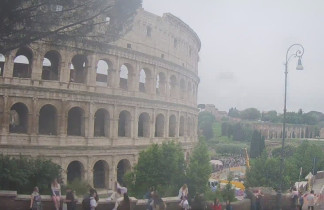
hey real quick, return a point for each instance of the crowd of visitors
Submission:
(229, 161)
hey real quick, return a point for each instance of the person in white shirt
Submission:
(93, 202)
(311, 200)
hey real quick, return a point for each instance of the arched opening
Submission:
(101, 123)
(160, 84)
(172, 126)
(75, 122)
(181, 128)
(144, 125)
(182, 88)
(23, 63)
(123, 81)
(78, 69)
(101, 174)
(172, 85)
(123, 167)
(124, 124)
(18, 118)
(75, 171)
(2, 62)
(159, 126)
(51, 66)
(102, 73)
(142, 81)
(47, 120)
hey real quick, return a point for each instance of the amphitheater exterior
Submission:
(91, 108)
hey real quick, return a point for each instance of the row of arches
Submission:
(143, 80)
(48, 123)
(101, 172)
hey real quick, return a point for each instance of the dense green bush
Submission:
(22, 174)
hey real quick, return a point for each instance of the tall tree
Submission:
(250, 114)
(257, 144)
(25, 21)
(199, 169)
(205, 124)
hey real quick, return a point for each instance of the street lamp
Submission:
(298, 52)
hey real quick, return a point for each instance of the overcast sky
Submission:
(244, 44)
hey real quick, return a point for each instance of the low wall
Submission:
(10, 200)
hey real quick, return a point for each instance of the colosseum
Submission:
(92, 108)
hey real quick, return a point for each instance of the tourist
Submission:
(93, 201)
(158, 203)
(228, 205)
(70, 199)
(56, 193)
(216, 205)
(294, 198)
(125, 203)
(258, 200)
(35, 201)
(300, 201)
(311, 200)
(183, 194)
(148, 196)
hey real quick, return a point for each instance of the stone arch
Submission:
(51, 62)
(182, 89)
(47, 123)
(23, 63)
(101, 174)
(181, 126)
(2, 62)
(124, 124)
(124, 76)
(101, 123)
(75, 122)
(18, 118)
(159, 126)
(160, 84)
(123, 167)
(143, 80)
(75, 170)
(78, 69)
(172, 126)
(144, 125)
(103, 71)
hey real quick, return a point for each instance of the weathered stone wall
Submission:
(74, 103)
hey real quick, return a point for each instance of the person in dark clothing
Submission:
(124, 204)
(70, 199)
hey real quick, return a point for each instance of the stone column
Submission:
(114, 123)
(91, 120)
(35, 117)
(135, 123)
(63, 119)
(37, 66)
(92, 70)
(9, 64)
(167, 121)
(65, 67)
(6, 115)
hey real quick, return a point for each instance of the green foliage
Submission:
(229, 149)
(257, 144)
(80, 187)
(23, 174)
(205, 123)
(199, 169)
(158, 166)
(228, 193)
(238, 131)
(233, 112)
(289, 150)
(250, 114)
(270, 116)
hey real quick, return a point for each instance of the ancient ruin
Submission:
(92, 106)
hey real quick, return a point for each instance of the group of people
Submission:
(217, 205)
(229, 162)
(154, 201)
(36, 200)
(120, 197)
(298, 199)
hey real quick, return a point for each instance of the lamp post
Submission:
(298, 52)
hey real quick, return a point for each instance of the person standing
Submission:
(216, 205)
(258, 200)
(70, 199)
(300, 201)
(93, 202)
(311, 200)
(294, 198)
(56, 193)
(36, 200)
(125, 203)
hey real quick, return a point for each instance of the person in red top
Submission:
(216, 205)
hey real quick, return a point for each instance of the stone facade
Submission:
(92, 107)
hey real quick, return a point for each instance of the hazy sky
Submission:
(244, 44)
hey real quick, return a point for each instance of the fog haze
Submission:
(244, 44)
